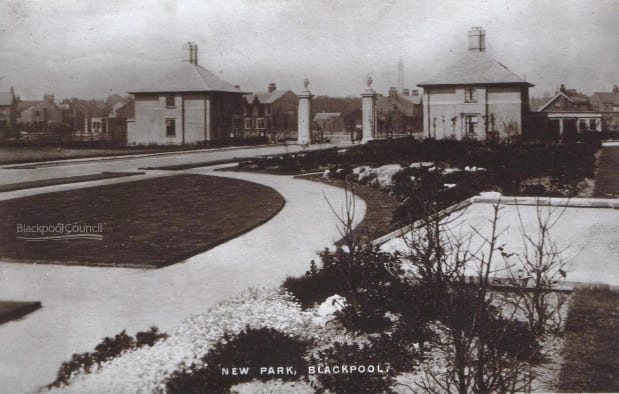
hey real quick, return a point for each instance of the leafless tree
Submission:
(541, 269)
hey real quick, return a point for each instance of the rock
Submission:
(364, 174)
(449, 185)
(331, 305)
(325, 174)
(421, 164)
(447, 171)
(384, 175)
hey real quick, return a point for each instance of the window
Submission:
(169, 100)
(267, 109)
(582, 124)
(471, 124)
(592, 124)
(249, 124)
(260, 123)
(37, 113)
(470, 95)
(170, 127)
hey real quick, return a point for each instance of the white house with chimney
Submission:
(476, 97)
(186, 105)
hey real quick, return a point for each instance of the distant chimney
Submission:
(415, 92)
(393, 91)
(562, 89)
(191, 53)
(48, 97)
(615, 89)
(477, 39)
(272, 87)
(406, 92)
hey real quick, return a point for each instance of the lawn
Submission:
(148, 223)
(11, 310)
(590, 352)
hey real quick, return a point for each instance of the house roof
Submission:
(265, 97)
(608, 97)
(188, 77)
(571, 95)
(6, 98)
(326, 115)
(406, 104)
(23, 105)
(475, 68)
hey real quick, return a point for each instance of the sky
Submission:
(94, 48)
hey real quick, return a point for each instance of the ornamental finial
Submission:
(306, 83)
(369, 81)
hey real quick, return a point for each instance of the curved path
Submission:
(81, 305)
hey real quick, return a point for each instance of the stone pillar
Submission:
(368, 110)
(304, 130)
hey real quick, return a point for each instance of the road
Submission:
(48, 170)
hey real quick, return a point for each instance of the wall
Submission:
(445, 108)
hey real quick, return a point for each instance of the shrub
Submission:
(108, 349)
(369, 280)
(355, 382)
(253, 349)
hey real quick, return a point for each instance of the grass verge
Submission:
(147, 223)
(591, 347)
(62, 181)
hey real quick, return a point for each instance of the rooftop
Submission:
(188, 77)
(474, 67)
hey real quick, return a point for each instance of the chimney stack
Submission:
(406, 92)
(415, 93)
(272, 87)
(477, 39)
(393, 91)
(192, 52)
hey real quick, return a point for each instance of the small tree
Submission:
(540, 270)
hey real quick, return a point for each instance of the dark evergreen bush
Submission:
(252, 348)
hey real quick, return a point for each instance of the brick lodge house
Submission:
(188, 105)
(272, 114)
(476, 97)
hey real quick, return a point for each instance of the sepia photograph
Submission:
(326, 196)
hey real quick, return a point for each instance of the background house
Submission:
(476, 97)
(187, 105)
(399, 113)
(8, 114)
(607, 103)
(570, 112)
(272, 113)
(39, 116)
(330, 126)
